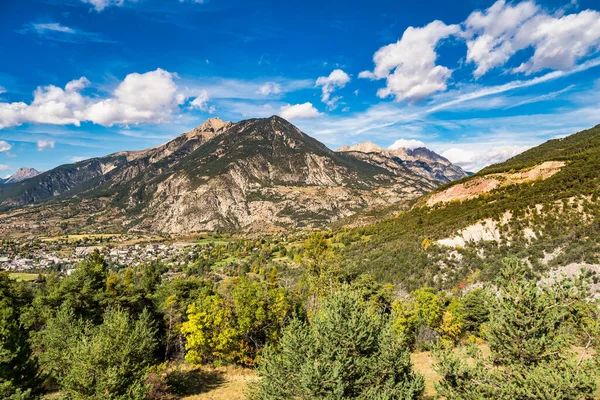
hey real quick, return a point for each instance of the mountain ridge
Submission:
(261, 172)
(421, 160)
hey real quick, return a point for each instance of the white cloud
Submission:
(298, 111)
(61, 33)
(406, 144)
(4, 167)
(269, 88)
(201, 102)
(409, 64)
(459, 156)
(100, 5)
(141, 98)
(559, 42)
(2, 89)
(474, 160)
(336, 80)
(4, 146)
(50, 105)
(53, 27)
(45, 145)
(491, 33)
(76, 159)
(496, 34)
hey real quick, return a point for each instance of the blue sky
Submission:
(477, 81)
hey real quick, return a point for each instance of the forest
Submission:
(325, 331)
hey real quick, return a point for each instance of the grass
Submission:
(423, 363)
(215, 242)
(23, 276)
(221, 383)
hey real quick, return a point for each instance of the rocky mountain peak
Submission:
(22, 174)
(365, 147)
(209, 128)
(421, 160)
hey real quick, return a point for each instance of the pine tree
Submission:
(19, 375)
(348, 350)
(529, 333)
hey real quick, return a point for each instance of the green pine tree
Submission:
(19, 377)
(530, 332)
(347, 351)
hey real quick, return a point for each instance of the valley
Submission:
(236, 234)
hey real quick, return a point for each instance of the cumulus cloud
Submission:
(4, 167)
(473, 160)
(406, 144)
(491, 33)
(4, 146)
(409, 65)
(299, 111)
(336, 80)
(45, 145)
(558, 42)
(269, 88)
(141, 98)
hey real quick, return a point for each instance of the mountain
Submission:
(257, 174)
(20, 175)
(541, 206)
(421, 161)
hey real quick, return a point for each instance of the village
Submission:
(63, 254)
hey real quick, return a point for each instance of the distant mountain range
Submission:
(256, 174)
(421, 161)
(20, 175)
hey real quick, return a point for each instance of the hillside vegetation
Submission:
(550, 222)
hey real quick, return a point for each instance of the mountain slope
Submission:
(261, 174)
(74, 179)
(541, 206)
(421, 161)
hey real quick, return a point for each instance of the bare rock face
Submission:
(485, 184)
(420, 161)
(21, 175)
(257, 174)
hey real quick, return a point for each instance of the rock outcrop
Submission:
(420, 161)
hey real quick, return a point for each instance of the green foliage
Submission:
(418, 318)
(108, 361)
(530, 331)
(473, 310)
(347, 351)
(18, 368)
(234, 324)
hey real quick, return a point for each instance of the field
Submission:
(74, 238)
(22, 276)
